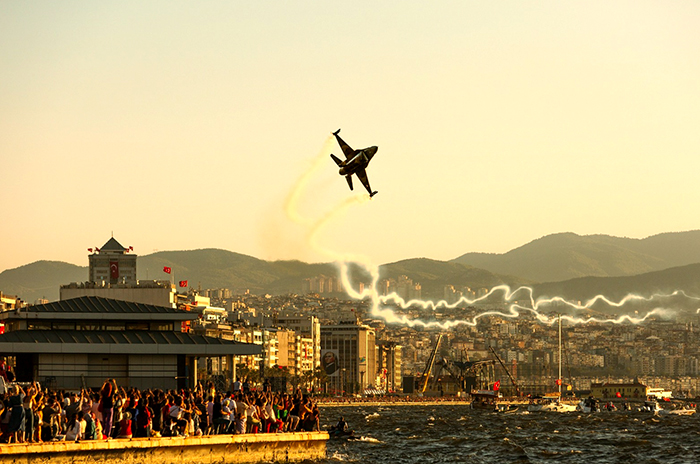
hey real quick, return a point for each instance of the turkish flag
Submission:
(167, 270)
(558, 381)
(497, 385)
(183, 283)
(114, 269)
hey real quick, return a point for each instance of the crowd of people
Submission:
(33, 414)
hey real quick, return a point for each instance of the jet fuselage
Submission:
(358, 162)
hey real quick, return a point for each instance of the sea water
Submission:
(455, 433)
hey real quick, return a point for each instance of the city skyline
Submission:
(188, 126)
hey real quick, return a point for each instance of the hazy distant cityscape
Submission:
(297, 331)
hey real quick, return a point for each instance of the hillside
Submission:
(212, 268)
(40, 279)
(574, 266)
(666, 282)
(686, 278)
(434, 275)
(566, 256)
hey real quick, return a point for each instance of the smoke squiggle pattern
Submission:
(379, 304)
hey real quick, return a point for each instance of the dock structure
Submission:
(209, 449)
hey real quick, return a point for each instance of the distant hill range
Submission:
(566, 256)
(567, 265)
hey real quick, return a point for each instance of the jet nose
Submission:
(373, 150)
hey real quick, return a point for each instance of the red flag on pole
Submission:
(167, 270)
(183, 283)
(558, 381)
(497, 385)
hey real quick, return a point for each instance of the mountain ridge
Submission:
(564, 256)
(550, 263)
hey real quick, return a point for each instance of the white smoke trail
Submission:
(379, 303)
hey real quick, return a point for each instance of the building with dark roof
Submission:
(112, 264)
(112, 274)
(80, 342)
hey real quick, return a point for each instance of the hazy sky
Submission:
(185, 125)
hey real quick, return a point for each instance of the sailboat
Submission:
(551, 403)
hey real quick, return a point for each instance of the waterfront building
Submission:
(605, 390)
(112, 274)
(348, 356)
(78, 343)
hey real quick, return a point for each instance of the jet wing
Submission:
(362, 175)
(347, 150)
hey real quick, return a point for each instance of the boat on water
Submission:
(678, 411)
(485, 399)
(550, 403)
(491, 400)
(507, 407)
(591, 404)
(588, 405)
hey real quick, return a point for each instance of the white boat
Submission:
(550, 404)
(588, 406)
(651, 406)
(684, 411)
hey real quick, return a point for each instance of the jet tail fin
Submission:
(337, 161)
(349, 179)
(373, 193)
(336, 132)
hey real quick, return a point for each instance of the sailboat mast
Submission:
(559, 382)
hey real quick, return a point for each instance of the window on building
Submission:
(88, 326)
(63, 325)
(162, 326)
(39, 325)
(113, 326)
(137, 326)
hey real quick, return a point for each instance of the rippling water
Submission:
(455, 433)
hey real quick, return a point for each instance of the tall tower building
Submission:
(112, 274)
(112, 264)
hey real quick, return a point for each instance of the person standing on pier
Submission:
(107, 405)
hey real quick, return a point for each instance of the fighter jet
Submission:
(355, 163)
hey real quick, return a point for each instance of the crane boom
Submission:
(429, 365)
(517, 390)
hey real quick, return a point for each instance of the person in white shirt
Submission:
(73, 429)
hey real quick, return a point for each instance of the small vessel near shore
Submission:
(550, 403)
(679, 411)
(485, 399)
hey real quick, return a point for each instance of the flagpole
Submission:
(560, 356)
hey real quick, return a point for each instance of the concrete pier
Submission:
(210, 449)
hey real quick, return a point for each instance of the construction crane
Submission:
(517, 390)
(429, 365)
